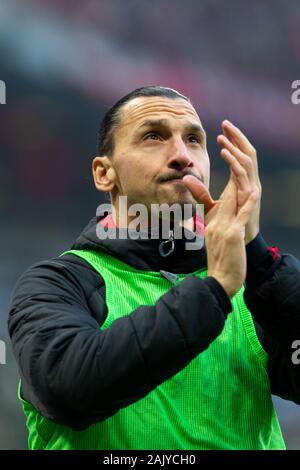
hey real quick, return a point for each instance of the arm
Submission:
(272, 295)
(273, 282)
(78, 374)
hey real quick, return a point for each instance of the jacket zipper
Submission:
(162, 245)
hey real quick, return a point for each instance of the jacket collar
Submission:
(149, 253)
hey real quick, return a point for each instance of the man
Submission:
(139, 343)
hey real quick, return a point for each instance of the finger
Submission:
(237, 169)
(246, 210)
(236, 136)
(229, 136)
(227, 206)
(240, 139)
(199, 191)
(240, 177)
(245, 160)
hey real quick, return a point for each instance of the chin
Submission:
(179, 199)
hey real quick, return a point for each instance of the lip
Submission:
(174, 181)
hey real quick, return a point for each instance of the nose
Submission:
(180, 157)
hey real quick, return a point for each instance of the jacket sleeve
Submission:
(272, 295)
(77, 373)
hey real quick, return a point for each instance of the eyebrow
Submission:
(154, 123)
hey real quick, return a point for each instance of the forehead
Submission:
(144, 108)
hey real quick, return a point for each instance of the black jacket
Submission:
(77, 374)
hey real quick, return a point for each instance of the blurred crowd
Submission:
(262, 39)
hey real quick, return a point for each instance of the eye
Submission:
(194, 139)
(152, 136)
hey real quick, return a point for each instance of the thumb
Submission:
(199, 191)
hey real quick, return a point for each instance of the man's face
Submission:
(159, 139)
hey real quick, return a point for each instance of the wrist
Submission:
(251, 235)
(227, 286)
(219, 293)
(261, 262)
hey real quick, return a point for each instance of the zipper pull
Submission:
(173, 278)
(162, 245)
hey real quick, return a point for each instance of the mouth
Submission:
(177, 179)
(174, 181)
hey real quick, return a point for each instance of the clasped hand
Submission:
(233, 220)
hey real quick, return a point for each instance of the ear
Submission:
(104, 174)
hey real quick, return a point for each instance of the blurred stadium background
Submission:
(65, 61)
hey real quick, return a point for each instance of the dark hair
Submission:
(113, 116)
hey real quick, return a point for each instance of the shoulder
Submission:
(64, 279)
(68, 268)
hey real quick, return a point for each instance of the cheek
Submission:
(204, 168)
(207, 176)
(134, 174)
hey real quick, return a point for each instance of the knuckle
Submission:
(248, 162)
(232, 235)
(230, 230)
(243, 172)
(257, 189)
(247, 194)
